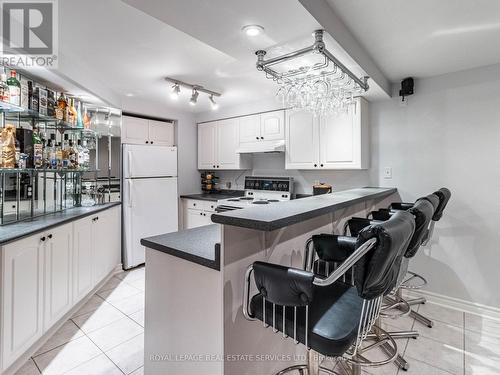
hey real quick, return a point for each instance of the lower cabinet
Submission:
(197, 213)
(43, 276)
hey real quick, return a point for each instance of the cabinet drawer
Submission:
(210, 206)
(195, 204)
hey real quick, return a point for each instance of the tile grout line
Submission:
(103, 352)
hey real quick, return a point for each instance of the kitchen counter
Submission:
(214, 197)
(16, 231)
(283, 214)
(199, 245)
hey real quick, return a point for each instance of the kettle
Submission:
(322, 188)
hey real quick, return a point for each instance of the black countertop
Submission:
(16, 231)
(199, 245)
(280, 215)
(214, 197)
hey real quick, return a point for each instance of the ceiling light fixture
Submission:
(176, 90)
(215, 105)
(196, 90)
(252, 30)
(194, 97)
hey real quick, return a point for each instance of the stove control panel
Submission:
(280, 184)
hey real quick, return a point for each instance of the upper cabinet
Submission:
(328, 142)
(268, 126)
(218, 142)
(143, 131)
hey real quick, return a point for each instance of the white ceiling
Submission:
(200, 42)
(426, 37)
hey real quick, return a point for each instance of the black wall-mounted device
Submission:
(406, 87)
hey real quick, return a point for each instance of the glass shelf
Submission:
(28, 114)
(28, 170)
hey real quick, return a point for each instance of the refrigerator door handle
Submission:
(129, 193)
(129, 164)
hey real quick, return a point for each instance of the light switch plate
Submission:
(388, 173)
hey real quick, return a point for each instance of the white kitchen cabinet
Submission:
(328, 142)
(197, 213)
(58, 266)
(269, 126)
(22, 297)
(141, 131)
(43, 276)
(302, 140)
(218, 142)
(249, 128)
(83, 281)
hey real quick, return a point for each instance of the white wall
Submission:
(449, 135)
(186, 139)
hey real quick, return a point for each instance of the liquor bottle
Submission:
(79, 117)
(25, 97)
(42, 101)
(62, 104)
(35, 99)
(4, 88)
(80, 155)
(37, 150)
(65, 152)
(59, 156)
(73, 155)
(51, 103)
(52, 152)
(30, 94)
(73, 114)
(86, 119)
(85, 156)
(14, 88)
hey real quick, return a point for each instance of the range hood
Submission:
(262, 146)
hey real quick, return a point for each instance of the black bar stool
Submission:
(330, 317)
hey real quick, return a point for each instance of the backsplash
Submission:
(274, 165)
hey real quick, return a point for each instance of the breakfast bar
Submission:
(194, 310)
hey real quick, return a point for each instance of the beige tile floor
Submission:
(106, 337)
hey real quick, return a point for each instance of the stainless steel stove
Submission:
(259, 191)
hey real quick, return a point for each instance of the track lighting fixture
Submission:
(215, 105)
(196, 89)
(194, 97)
(175, 91)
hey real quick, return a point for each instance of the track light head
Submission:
(175, 91)
(215, 105)
(194, 97)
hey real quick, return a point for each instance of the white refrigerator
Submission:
(150, 202)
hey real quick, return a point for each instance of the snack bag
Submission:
(8, 139)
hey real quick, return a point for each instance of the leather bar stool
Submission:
(330, 317)
(328, 249)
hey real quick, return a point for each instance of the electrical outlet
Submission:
(387, 173)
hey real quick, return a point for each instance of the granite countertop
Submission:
(21, 229)
(280, 215)
(214, 197)
(199, 245)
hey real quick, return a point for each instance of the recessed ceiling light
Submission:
(130, 94)
(252, 30)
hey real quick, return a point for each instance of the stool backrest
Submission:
(423, 211)
(377, 272)
(444, 196)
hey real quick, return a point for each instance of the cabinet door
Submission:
(340, 141)
(58, 274)
(82, 258)
(134, 130)
(227, 144)
(22, 287)
(249, 128)
(161, 133)
(109, 223)
(272, 126)
(302, 140)
(195, 218)
(207, 145)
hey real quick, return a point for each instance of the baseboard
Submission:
(457, 304)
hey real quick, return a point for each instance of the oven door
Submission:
(224, 208)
